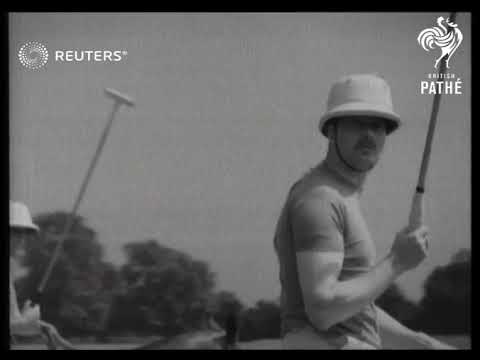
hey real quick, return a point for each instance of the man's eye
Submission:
(376, 127)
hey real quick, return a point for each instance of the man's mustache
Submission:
(366, 143)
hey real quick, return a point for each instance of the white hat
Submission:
(360, 94)
(20, 216)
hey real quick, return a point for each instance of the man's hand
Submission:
(410, 248)
(30, 312)
(30, 319)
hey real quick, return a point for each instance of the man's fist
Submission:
(31, 313)
(410, 248)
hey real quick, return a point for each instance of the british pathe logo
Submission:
(33, 55)
(448, 40)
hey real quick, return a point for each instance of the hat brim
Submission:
(361, 109)
(26, 227)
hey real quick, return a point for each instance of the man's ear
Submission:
(331, 131)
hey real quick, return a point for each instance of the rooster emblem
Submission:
(447, 39)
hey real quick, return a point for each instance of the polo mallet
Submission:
(119, 99)
(416, 210)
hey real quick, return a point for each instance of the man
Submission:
(328, 270)
(26, 322)
(231, 329)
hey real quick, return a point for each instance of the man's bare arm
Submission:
(319, 252)
(329, 301)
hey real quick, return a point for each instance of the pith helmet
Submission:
(360, 94)
(20, 216)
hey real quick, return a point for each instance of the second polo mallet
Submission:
(416, 211)
(119, 100)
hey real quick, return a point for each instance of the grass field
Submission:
(461, 342)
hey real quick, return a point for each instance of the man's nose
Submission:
(369, 132)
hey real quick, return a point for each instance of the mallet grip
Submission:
(415, 220)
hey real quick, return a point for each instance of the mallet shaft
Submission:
(416, 210)
(71, 217)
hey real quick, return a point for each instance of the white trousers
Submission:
(308, 339)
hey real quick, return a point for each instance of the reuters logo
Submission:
(33, 55)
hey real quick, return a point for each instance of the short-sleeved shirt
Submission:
(338, 225)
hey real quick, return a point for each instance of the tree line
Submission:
(160, 291)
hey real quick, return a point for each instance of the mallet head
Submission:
(119, 97)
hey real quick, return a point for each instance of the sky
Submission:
(226, 115)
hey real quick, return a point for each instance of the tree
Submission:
(226, 309)
(445, 307)
(223, 305)
(261, 322)
(462, 256)
(166, 291)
